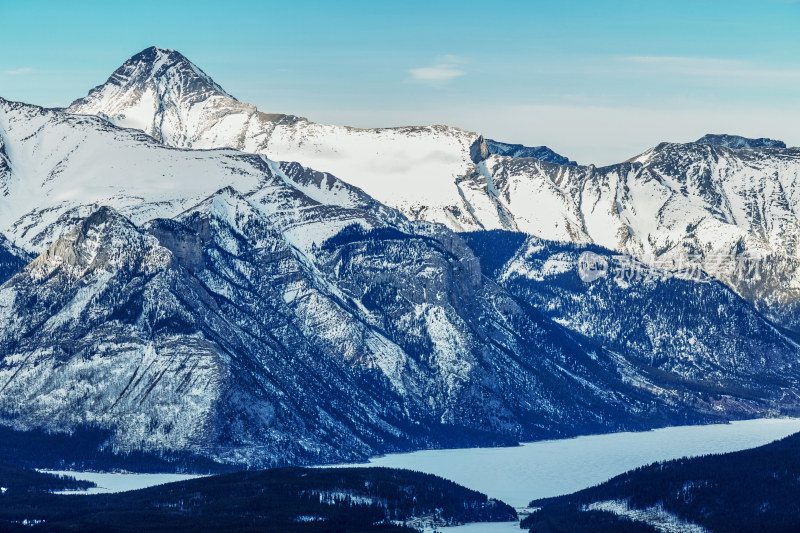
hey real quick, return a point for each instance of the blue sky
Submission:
(596, 81)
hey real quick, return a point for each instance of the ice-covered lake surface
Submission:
(118, 482)
(540, 469)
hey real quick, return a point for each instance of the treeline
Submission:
(87, 448)
(751, 490)
(16, 480)
(355, 233)
(376, 239)
(565, 519)
(494, 248)
(12, 260)
(284, 499)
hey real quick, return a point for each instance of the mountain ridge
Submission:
(542, 153)
(415, 169)
(738, 210)
(738, 142)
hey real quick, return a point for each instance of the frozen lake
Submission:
(540, 469)
(116, 482)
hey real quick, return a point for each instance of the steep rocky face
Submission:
(737, 142)
(542, 153)
(89, 331)
(5, 169)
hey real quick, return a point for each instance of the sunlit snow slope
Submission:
(419, 170)
(725, 204)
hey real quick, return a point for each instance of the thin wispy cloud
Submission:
(711, 66)
(684, 61)
(446, 69)
(436, 74)
(20, 71)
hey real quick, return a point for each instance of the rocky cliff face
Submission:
(737, 142)
(12, 259)
(542, 153)
(5, 169)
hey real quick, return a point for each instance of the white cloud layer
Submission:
(601, 135)
(712, 67)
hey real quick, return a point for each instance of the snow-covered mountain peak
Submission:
(426, 172)
(160, 64)
(153, 91)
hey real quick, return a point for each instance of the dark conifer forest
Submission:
(284, 499)
(750, 490)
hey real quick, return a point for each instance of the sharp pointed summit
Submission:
(163, 62)
(152, 91)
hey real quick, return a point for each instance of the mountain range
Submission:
(194, 275)
(725, 204)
